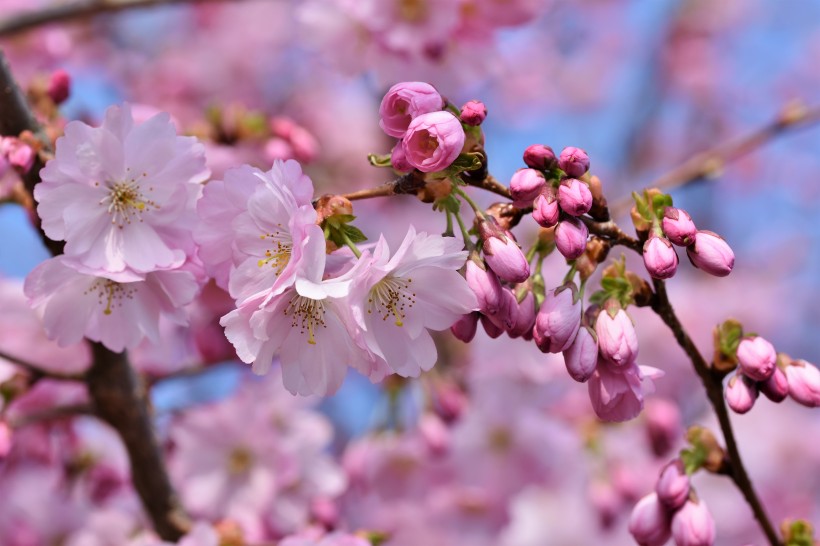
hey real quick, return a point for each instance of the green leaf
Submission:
(379, 160)
(464, 162)
(642, 206)
(693, 458)
(354, 233)
(799, 533)
(659, 204)
(730, 334)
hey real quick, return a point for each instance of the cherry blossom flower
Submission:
(122, 195)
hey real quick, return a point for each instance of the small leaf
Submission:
(354, 234)
(379, 160)
(659, 204)
(642, 206)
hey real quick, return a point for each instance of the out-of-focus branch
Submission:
(115, 394)
(30, 19)
(51, 414)
(713, 382)
(711, 162)
(38, 371)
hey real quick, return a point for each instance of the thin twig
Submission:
(612, 233)
(51, 414)
(712, 381)
(711, 162)
(31, 19)
(38, 371)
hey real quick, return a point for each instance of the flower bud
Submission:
(574, 197)
(571, 238)
(804, 382)
(710, 253)
(663, 425)
(18, 153)
(673, 485)
(399, 160)
(433, 141)
(492, 330)
(693, 525)
(523, 316)
(776, 388)
(558, 319)
(525, 186)
(660, 258)
(741, 393)
(484, 284)
(545, 209)
(606, 502)
(404, 102)
(502, 254)
(465, 327)
(540, 157)
(581, 357)
(649, 522)
(59, 86)
(757, 358)
(473, 113)
(617, 340)
(678, 226)
(507, 311)
(574, 162)
(434, 433)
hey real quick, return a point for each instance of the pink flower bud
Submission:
(484, 284)
(465, 327)
(710, 253)
(435, 433)
(660, 258)
(473, 113)
(663, 425)
(776, 388)
(673, 485)
(574, 162)
(404, 102)
(525, 186)
(678, 226)
(804, 383)
(18, 153)
(399, 160)
(502, 254)
(507, 311)
(433, 141)
(540, 157)
(649, 522)
(581, 357)
(741, 393)
(558, 319)
(545, 209)
(523, 317)
(59, 86)
(757, 358)
(617, 340)
(325, 511)
(571, 238)
(574, 197)
(693, 525)
(491, 328)
(606, 502)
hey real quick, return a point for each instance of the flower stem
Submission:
(473, 205)
(350, 244)
(465, 233)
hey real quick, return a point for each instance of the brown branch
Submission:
(110, 379)
(31, 19)
(38, 371)
(51, 414)
(612, 233)
(407, 184)
(713, 382)
(709, 163)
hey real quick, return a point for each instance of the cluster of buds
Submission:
(554, 188)
(760, 369)
(431, 137)
(665, 226)
(672, 511)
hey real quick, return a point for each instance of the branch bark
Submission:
(114, 391)
(31, 19)
(38, 371)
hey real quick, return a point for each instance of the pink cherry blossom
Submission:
(617, 393)
(405, 101)
(398, 298)
(433, 141)
(122, 195)
(117, 311)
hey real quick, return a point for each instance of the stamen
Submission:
(391, 296)
(125, 202)
(110, 293)
(308, 315)
(279, 256)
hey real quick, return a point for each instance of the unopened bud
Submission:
(574, 197)
(473, 113)
(539, 156)
(776, 388)
(710, 253)
(757, 358)
(678, 226)
(673, 485)
(804, 382)
(617, 340)
(741, 393)
(465, 328)
(399, 160)
(59, 86)
(523, 317)
(545, 209)
(649, 522)
(571, 238)
(485, 285)
(503, 254)
(573, 161)
(558, 319)
(525, 186)
(663, 425)
(693, 525)
(581, 357)
(660, 258)
(492, 330)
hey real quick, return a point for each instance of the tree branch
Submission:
(51, 414)
(713, 382)
(114, 392)
(31, 19)
(38, 371)
(710, 162)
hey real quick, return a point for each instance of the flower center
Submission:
(110, 293)
(424, 142)
(125, 202)
(413, 11)
(239, 460)
(391, 296)
(279, 255)
(307, 315)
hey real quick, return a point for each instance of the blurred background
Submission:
(641, 85)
